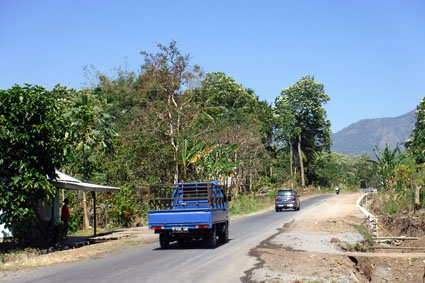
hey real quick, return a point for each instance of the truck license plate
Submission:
(180, 229)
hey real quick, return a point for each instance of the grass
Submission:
(249, 203)
(364, 232)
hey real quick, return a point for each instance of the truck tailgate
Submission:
(182, 217)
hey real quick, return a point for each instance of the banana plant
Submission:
(189, 152)
(213, 161)
(387, 162)
(216, 162)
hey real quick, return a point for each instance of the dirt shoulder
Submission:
(106, 244)
(313, 248)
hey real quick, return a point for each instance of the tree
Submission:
(238, 118)
(416, 144)
(333, 169)
(387, 161)
(309, 130)
(35, 140)
(121, 94)
(365, 172)
(169, 77)
(92, 129)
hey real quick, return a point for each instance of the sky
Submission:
(370, 55)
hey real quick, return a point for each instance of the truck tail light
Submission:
(275, 198)
(157, 227)
(293, 198)
(202, 226)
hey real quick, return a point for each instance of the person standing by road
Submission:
(65, 216)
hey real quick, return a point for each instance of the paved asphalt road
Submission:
(194, 263)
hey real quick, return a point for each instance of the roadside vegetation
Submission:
(249, 203)
(171, 122)
(402, 173)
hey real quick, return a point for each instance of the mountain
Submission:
(364, 135)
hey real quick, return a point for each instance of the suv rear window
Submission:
(285, 192)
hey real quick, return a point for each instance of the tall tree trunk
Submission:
(238, 182)
(85, 214)
(176, 168)
(291, 154)
(250, 180)
(172, 134)
(301, 162)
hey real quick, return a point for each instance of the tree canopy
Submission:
(304, 120)
(35, 138)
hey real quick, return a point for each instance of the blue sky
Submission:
(370, 55)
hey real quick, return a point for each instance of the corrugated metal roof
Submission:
(64, 181)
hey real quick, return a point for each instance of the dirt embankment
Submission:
(314, 248)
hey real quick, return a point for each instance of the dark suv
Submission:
(287, 199)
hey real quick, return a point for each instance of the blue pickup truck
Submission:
(189, 211)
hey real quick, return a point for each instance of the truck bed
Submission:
(189, 218)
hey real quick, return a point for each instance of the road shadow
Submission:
(78, 241)
(287, 210)
(192, 245)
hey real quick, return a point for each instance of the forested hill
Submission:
(364, 135)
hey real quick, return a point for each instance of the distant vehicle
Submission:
(287, 199)
(337, 190)
(189, 211)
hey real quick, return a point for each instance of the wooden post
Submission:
(94, 212)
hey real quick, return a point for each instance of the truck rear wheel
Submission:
(211, 239)
(163, 241)
(224, 234)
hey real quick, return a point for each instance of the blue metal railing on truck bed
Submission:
(186, 196)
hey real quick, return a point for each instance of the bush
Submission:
(124, 207)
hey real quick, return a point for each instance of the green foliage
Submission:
(35, 139)
(334, 169)
(248, 203)
(124, 207)
(92, 131)
(264, 181)
(396, 202)
(215, 161)
(302, 120)
(366, 175)
(422, 197)
(223, 92)
(123, 98)
(393, 209)
(387, 162)
(364, 231)
(189, 152)
(417, 143)
(76, 222)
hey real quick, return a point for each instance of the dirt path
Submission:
(311, 249)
